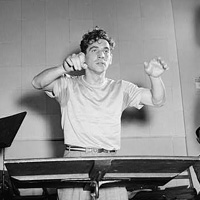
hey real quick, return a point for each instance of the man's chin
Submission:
(99, 71)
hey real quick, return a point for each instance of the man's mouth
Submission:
(101, 63)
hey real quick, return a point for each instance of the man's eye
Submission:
(94, 50)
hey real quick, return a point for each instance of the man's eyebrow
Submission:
(106, 48)
(93, 47)
(96, 47)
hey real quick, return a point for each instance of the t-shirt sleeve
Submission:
(59, 89)
(132, 95)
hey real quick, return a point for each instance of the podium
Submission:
(94, 173)
(9, 127)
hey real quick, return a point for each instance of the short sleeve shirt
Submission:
(91, 115)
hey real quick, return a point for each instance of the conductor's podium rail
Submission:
(93, 173)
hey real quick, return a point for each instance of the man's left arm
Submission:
(156, 95)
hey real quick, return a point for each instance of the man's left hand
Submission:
(155, 67)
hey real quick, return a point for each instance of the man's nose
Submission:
(101, 54)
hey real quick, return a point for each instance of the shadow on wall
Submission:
(197, 38)
(35, 102)
(133, 115)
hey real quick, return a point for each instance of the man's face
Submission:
(98, 56)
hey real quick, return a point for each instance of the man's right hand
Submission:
(75, 62)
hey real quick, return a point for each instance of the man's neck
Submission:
(95, 79)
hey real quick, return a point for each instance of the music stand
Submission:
(95, 172)
(9, 127)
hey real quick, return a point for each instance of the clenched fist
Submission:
(75, 62)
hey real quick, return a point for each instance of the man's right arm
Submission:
(46, 79)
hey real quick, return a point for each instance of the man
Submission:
(91, 104)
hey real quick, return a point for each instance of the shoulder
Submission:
(126, 85)
(115, 82)
(61, 84)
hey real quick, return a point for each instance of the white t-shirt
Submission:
(91, 115)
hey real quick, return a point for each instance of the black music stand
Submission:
(9, 127)
(94, 172)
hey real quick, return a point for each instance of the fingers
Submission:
(159, 61)
(82, 60)
(69, 63)
(155, 67)
(162, 63)
(75, 62)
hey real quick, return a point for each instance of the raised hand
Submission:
(155, 67)
(75, 62)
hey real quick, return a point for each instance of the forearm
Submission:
(47, 76)
(157, 91)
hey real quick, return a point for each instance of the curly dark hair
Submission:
(93, 36)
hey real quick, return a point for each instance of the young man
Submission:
(91, 104)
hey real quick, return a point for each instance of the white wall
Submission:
(187, 25)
